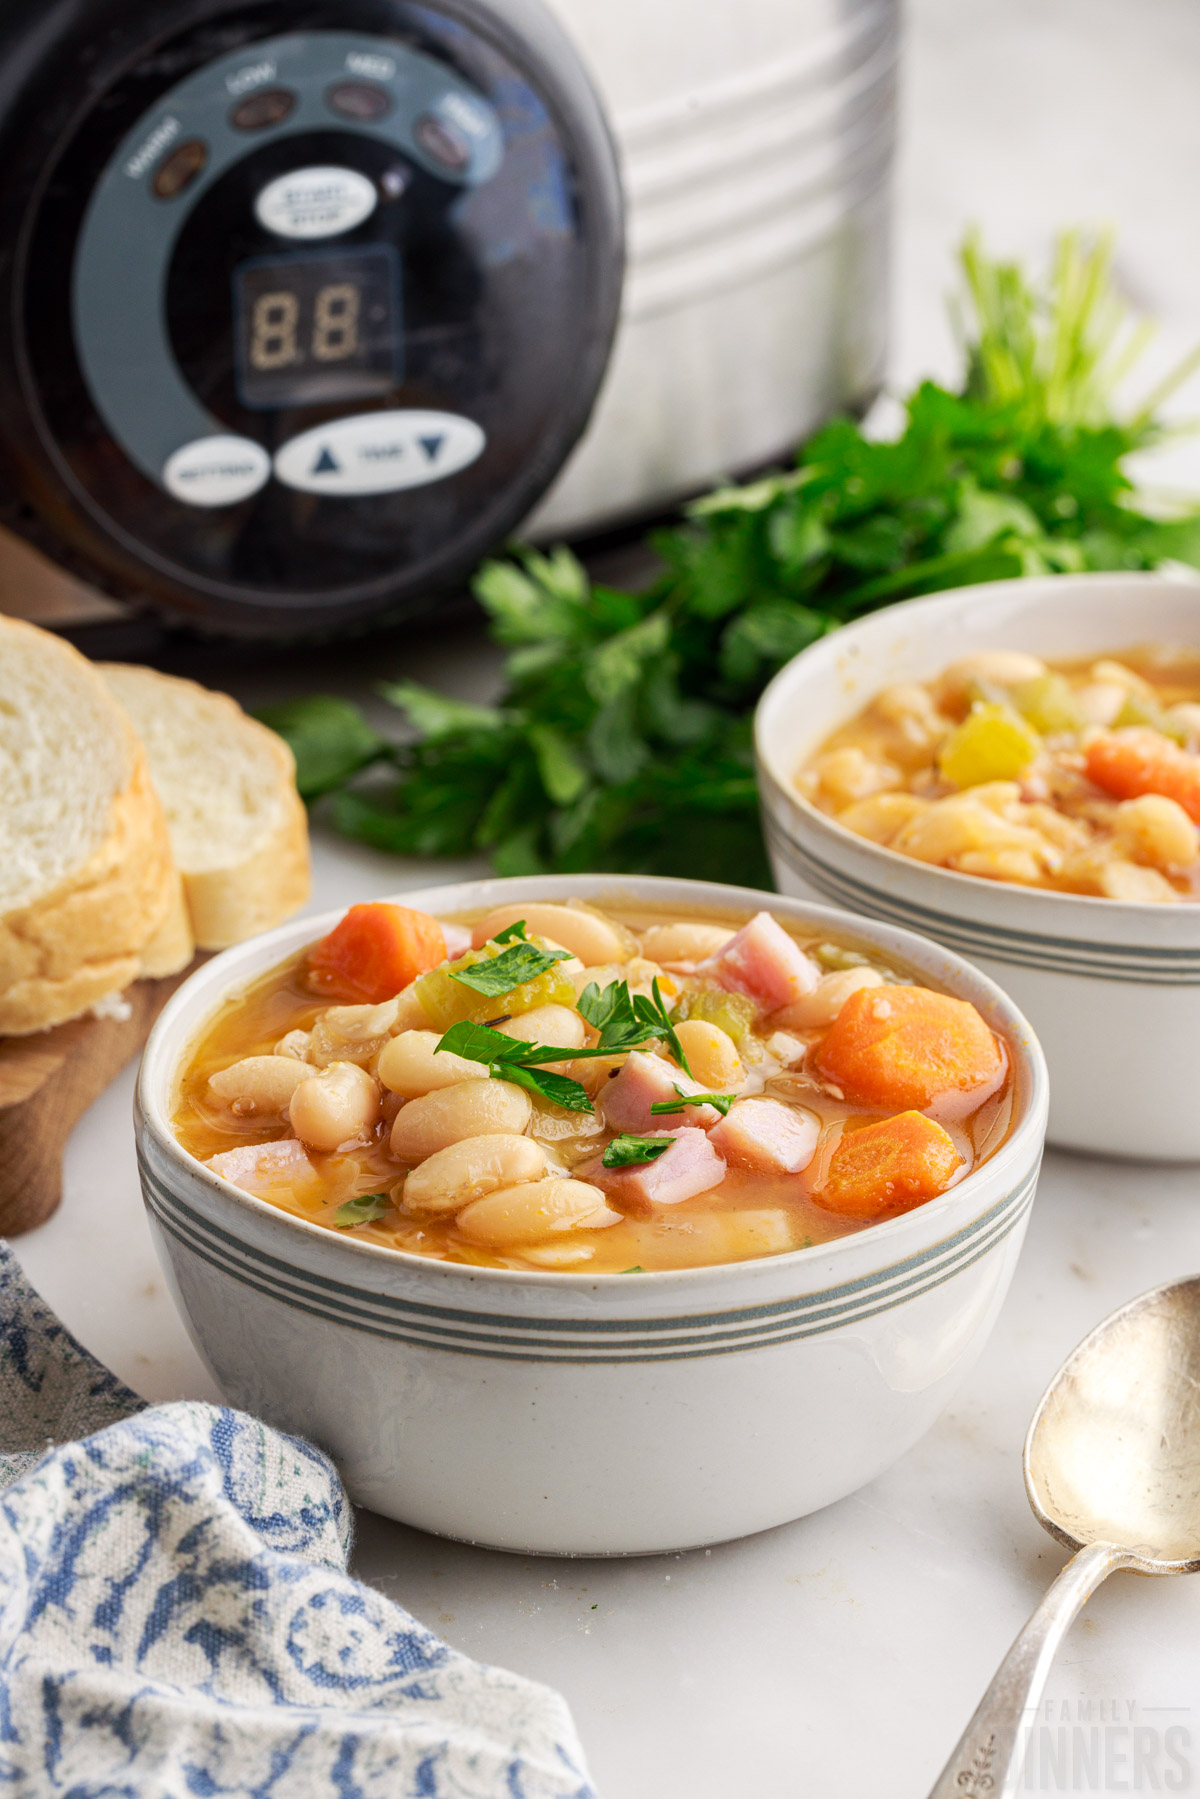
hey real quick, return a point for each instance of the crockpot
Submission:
(305, 307)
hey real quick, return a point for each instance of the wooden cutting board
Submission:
(47, 1083)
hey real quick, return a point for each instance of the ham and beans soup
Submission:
(556, 1087)
(1082, 777)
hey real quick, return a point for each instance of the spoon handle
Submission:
(987, 1759)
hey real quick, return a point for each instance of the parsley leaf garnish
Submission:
(722, 1101)
(363, 1210)
(559, 1089)
(656, 1013)
(625, 1151)
(626, 1021)
(480, 1043)
(512, 933)
(609, 1010)
(511, 968)
(512, 1059)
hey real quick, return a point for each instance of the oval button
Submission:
(260, 110)
(317, 202)
(216, 471)
(178, 170)
(379, 452)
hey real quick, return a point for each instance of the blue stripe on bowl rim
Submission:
(1141, 964)
(586, 1340)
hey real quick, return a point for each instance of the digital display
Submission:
(317, 330)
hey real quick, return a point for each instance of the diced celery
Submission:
(993, 743)
(1049, 705)
(1140, 710)
(447, 1001)
(735, 1013)
(837, 956)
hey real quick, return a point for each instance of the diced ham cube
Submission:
(458, 939)
(690, 1166)
(763, 961)
(767, 1136)
(644, 1081)
(264, 1167)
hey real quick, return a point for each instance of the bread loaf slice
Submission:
(86, 874)
(238, 827)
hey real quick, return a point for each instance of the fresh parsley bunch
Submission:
(622, 740)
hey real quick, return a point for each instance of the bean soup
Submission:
(554, 1087)
(1080, 777)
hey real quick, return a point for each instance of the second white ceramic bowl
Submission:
(1113, 990)
(590, 1415)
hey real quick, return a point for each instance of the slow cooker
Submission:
(305, 307)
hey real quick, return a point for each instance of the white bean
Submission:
(822, 1005)
(261, 1086)
(1121, 676)
(684, 942)
(849, 774)
(1187, 714)
(453, 1177)
(410, 1013)
(1158, 830)
(1100, 701)
(358, 1024)
(411, 1064)
(559, 1255)
(526, 1214)
(911, 716)
(587, 934)
(474, 1108)
(548, 1026)
(712, 1055)
(295, 1044)
(998, 668)
(339, 1103)
(351, 1033)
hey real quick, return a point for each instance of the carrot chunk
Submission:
(895, 1047)
(891, 1166)
(1130, 763)
(375, 951)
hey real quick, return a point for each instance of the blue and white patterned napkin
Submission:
(176, 1619)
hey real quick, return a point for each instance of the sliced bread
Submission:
(86, 874)
(228, 785)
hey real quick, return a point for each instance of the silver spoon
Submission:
(1112, 1469)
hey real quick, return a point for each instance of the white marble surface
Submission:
(837, 1657)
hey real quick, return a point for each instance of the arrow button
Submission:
(378, 452)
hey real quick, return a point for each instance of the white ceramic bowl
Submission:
(576, 1414)
(1113, 990)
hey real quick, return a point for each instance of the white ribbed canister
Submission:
(756, 141)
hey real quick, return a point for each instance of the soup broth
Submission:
(725, 1089)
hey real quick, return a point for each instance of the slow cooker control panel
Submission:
(327, 315)
(313, 327)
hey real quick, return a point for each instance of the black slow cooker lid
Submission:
(301, 307)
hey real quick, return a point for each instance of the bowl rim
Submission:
(773, 777)
(1021, 1149)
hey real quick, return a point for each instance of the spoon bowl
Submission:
(1112, 1469)
(1113, 1452)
